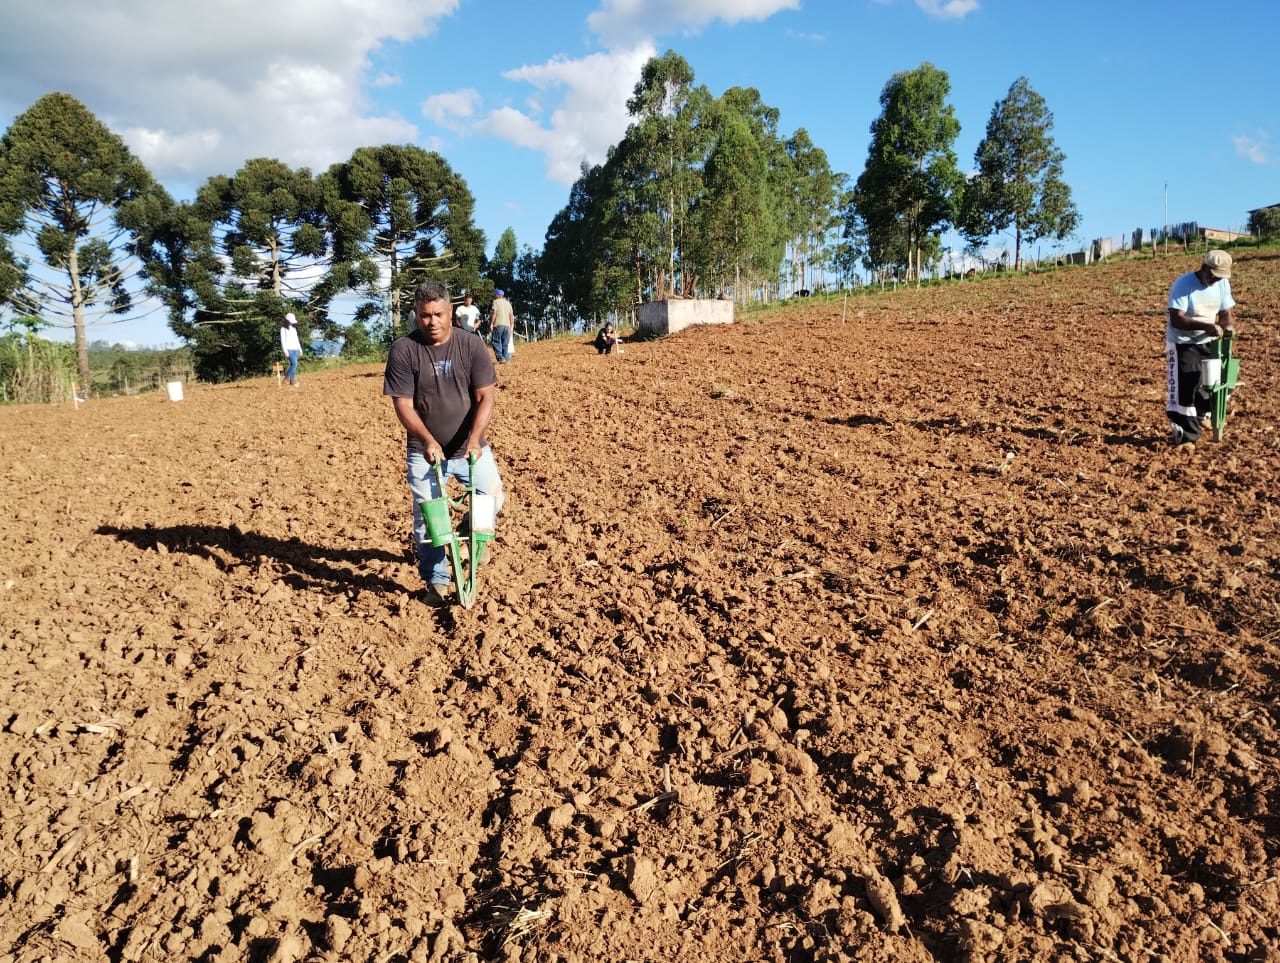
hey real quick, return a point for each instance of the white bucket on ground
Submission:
(175, 390)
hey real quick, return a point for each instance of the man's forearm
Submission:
(1183, 323)
(484, 412)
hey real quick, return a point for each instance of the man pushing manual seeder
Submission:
(1201, 370)
(441, 382)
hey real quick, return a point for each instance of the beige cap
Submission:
(1218, 263)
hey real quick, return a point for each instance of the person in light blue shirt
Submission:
(1200, 312)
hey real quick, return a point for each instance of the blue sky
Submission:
(516, 95)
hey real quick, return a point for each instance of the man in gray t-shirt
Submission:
(441, 382)
(503, 321)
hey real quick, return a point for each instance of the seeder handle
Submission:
(467, 586)
(1222, 391)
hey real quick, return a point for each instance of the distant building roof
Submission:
(1263, 208)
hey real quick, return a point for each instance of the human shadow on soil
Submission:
(858, 421)
(307, 565)
(953, 424)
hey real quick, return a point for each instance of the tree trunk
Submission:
(275, 265)
(671, 242)
(394, 320)
(77, 315)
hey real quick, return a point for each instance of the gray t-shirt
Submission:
(502, 314)
(440, 378)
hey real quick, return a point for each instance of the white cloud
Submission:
(1256, 149)
(591, 117)
(200, 88)
(948, 9)
(385, 79)
(510, 125)
(806, 37)
(165, 151)
(628, 22)
(448, 108)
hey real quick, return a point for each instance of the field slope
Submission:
(880, 632)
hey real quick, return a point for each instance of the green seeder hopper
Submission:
(1220, 376)
(479, 523)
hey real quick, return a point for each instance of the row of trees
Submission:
(912, 189)
(84, 227)
(703, 195)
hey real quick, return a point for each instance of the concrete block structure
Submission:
(656, 318)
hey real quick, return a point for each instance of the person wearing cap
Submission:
(291, 346)
(441, 382)
(502, 320)
(1200, 312)
(467, 316)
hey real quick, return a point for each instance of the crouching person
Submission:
(606, 340)
(441, 381)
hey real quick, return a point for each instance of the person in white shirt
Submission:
(291, 346)
(467, 315)
(1200, 313)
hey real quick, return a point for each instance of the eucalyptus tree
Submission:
(910, 187)
(670, 139)
(68, 194)
(731, 215)
(501, 269)
(1019, 175)
(537, 308)
(567, 248)
(634, 231)
(762, 120)
(595, 257)
(814, 206)
(400, 215)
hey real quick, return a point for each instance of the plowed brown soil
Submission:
(903, 638)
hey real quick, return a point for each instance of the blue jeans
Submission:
(502, 343)
(433, 562)
(292, 373)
